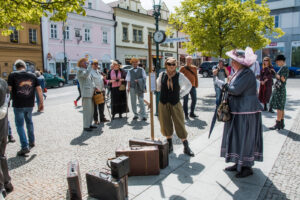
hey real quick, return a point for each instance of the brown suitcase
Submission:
(74, 181)
(143, 160)
(102, 185)
(163, 147)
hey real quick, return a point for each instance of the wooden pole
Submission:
(150, 92)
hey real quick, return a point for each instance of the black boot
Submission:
(170, 145)
(276, 126)
(265, 107)
(246, 171)
(187, 149)
(282, 124)
(231, 168)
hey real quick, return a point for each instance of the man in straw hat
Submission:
(173, 85)
(136, 79)
(87, 91)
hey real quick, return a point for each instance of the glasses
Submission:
(171, 64)
(266, 60)
(95, 63)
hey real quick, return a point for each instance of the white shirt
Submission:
(98, 80)
(184, 83)
(135, 70)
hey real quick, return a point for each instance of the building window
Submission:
(125, 33)
(137, 35)
(87, 37)
(90, 5)
(104, 37)
(67, 33)
(276, 21)
(32, 36)
(14, 36)
(140, 36)
(77, 32)
(53, 31)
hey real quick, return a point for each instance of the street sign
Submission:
(153, 81)
(181, 39)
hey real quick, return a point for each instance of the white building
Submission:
(134, 24)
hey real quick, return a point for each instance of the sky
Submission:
(147, 4)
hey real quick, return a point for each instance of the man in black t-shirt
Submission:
(23, 86)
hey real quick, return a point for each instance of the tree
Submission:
(217, 26)
(15, 12)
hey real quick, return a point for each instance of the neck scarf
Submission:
(169, 81)
(115, 74)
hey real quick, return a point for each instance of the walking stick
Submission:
(127, 104)
(107, 109)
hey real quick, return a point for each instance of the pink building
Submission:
(91, 35)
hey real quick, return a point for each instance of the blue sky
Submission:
(147, 4)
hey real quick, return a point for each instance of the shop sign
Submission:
(275, 44)
(296, 43)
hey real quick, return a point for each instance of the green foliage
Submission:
(15, 12)
(217, 26)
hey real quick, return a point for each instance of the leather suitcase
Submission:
(102, 185)
(143, 160)
(119, 167)
(74, 181)
(163, 147)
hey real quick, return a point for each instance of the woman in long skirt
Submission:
(242, 141)
(116, 77)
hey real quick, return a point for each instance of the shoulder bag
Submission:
(98, 98)
(278, 82)
(223, 112)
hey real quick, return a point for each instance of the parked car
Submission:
(206, 68)
(53, 80)
(294, 71)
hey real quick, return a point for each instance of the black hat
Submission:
(280, 57)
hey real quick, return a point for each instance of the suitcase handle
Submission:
(135, 147)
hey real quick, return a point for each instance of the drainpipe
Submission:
(115, 35)
(42, 43)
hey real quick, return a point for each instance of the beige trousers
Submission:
(169, 115)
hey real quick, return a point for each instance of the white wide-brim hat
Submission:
(246, 57)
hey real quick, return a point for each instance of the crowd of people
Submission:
(249, 92)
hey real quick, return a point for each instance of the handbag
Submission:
(223, 112)
(98, 98)
(122, 87)
(278, 82)
(45, 90)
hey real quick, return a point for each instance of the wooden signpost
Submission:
(151, 85)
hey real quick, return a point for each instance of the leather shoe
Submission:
(135, 117)
(104, 120)
(246, 171)
(186, 117)
(11, 139)
(187, 149)
(92, 126)
(193, 115)
(23, 152)
(88, 129)
(231, 168)
(144, 119)
(8, 187)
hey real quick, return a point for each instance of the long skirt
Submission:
(265, 92)
(118, 101)
(242, 141)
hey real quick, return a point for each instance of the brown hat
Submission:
(95, 61)
(170, 60)
(134, 60)
(81, 60)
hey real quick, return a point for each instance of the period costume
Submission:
(99, 84)
(137, 79)
(118, 97)
(87, 88)
(170, 112)
(221, 75)
(279, 95)
(265, 90)
(242, 141)
(5, 184)
(191, 73)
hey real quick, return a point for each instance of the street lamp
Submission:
(156, 14)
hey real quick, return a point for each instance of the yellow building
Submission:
(24, 44)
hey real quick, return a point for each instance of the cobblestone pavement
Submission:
(284, 180)
(59, 139)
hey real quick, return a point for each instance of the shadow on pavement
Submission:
(294, 136)
(196, 123)
(117, 123)
(249, 186)
(18, 161)
(85, 136)
(138, 125)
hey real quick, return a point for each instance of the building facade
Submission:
(24, 44)
(287, 17)
(134, 24)
(89, 36)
